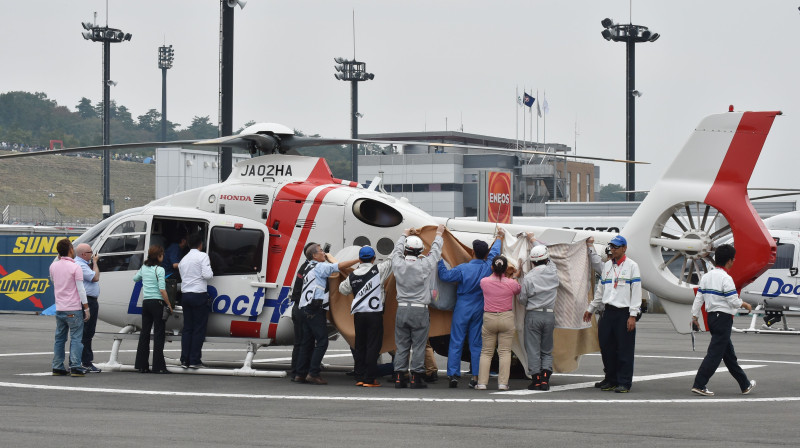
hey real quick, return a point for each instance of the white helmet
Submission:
(414, 244)
(539, 253)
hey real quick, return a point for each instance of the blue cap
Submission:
(618, 241)
(366, 253)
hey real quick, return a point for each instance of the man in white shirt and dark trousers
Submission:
(620, 290)
(366, 285)
(195, 270)
(314, 304)
(412, 322)
(718, 292)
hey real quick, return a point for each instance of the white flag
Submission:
(539, 110)
(546, 106)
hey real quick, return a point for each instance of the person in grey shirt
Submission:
(538, 294)
(412, 274)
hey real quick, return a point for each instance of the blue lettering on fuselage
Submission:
(779, 288)
(239, 306)
(220, 303)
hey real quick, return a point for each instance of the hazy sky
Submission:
(435, 61)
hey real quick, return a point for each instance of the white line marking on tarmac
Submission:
(697, 400)
(636, 379)
(168, 350)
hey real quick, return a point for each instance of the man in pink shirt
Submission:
(72, 309)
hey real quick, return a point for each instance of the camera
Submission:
(327, 248)
(608, 251)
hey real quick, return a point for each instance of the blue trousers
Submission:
(88, 332)
(617, 345)
(720, 349)
(195, 320)
(68, 322)
(466, 323)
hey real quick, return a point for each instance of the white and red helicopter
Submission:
(257, 222)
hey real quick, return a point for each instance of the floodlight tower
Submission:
(107, 36)
(631, 35)
(165, 57)
(355, 72)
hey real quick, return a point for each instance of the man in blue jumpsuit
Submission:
(468, 312)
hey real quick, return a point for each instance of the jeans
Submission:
(315, 341)
(88, 332)
(71, 321)
(195, 320)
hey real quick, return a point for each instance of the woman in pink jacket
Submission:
(498, 322)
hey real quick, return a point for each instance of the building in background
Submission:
(444, 181)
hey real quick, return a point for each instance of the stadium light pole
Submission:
(165, 57)
(631, 35)
(355, 72)
(107, 36)
(226, 82)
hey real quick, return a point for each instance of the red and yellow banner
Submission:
(499, 197)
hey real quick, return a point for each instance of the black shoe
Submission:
(60, 372)
(184, 365)
(417, 382)
(622, 389)
(91, 368)
(602, 384)
(453, 381)
(162, 371)
(472, 383)
(399, 379)
(432, 378)
(199, 365)
(144, 371)
(77, 371)
(608, 387)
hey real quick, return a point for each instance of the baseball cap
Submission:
(366, 253)
(618, 241)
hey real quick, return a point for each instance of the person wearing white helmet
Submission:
(620, 291)
(412, 274)
(538, 295)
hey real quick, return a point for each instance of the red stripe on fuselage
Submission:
(755, 248)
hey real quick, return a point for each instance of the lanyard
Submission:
(616, 275)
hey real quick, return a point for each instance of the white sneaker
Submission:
(480, 387)
(502, 387)
(704, 391)
(749, 388)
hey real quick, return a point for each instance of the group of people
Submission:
(75, 276)
(482, 317)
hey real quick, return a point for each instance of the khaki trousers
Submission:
(498, 329)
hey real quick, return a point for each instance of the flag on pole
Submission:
(528, 100)
(519, 100)
(538, 111)
(546, 106)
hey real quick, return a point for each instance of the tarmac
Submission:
(122, 409)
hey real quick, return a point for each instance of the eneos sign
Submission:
(499, 200)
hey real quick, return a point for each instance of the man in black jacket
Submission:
(297, 288)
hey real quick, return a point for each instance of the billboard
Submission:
(25, 283)
(494, 196)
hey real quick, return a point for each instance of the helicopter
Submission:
(256, 223)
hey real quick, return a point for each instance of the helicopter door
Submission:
(236, 252)
(122, 250)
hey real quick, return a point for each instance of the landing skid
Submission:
(759, 312)
(246, 369)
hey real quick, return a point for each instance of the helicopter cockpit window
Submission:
(785, 257)
(123, 249)
(130, 227)
(236, 252)
(376, 213)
